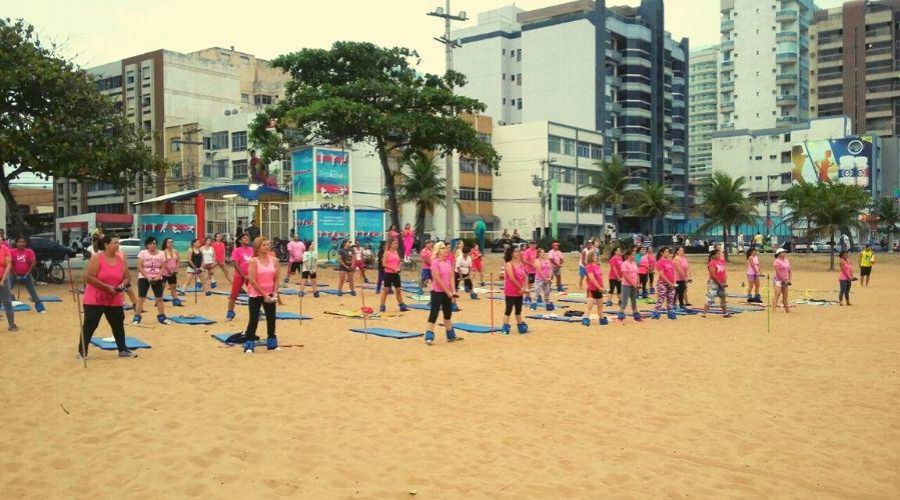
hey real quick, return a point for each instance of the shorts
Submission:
(209, 267)
(865, 270)
(144, 285)
(752, 277)
(391, 280)
(295, 267)
(581, 272)
(780, 284)
(426, 275)
(308, 274)
(237, 283)
(478, 266)
(359, 265)
(343, 269)
(191, 270)
(596, 294)
(171, 279)
(557, 271)
(531, 279)
(615, 286)
(713, 291)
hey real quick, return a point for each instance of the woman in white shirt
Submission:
(463, 270)
(209, 263)
(308, 273)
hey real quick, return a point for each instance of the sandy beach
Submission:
(710, 408)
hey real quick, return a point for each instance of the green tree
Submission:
(888, 216)
(359, 92)
(421, 183)
(55, 123)
(834, 207)
(609, 188)
(798, 202)
(650, 201)
(725, 204)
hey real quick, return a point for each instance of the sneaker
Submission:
(586, 321)
(621, 317)
(473, 296)
(656, 315)
(14, 328)
(550, 306)
(604, 321)
(249, 346)
(671, 315)
(429, 338)
(637, 317)
(340, 293)
(523, 328)
(214, 284)
(505, 329)
(136, 320)
(455, 308)
(176, 302)
(353, 293)
(286, 280)
(163, 319)
(229, 315)
(608, 303)
(127, 353)
(208, 293)
(316, 295)
(403, 307)
(451, 336)
(382, 308)
(272, 344)
(533, 306)
(39, 307)
(558, 288)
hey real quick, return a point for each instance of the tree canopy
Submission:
(725, 204)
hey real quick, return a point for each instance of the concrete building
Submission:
(613, 70)
(703, 110)
(855, 65)
(764, 68)
(164, 89)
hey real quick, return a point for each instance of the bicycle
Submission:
(48, 271)
(410, 265)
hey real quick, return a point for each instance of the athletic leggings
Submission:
(254, 303)
(665, 292)
(680, 292)
(643, 278)
(6, 299)
(628, 292)
(845, 290)
(542, 289)
(115, 316)
(651, 276)
(440, 302)
(512, 302)
(466, 279)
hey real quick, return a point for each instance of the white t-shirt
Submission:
(209, 255)
(463, 264)
(309, 261)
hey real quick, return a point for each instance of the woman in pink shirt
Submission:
(408, 237)
(105, 279)
(426, 256)
(753, 276)
(615, 276)
(150, 265)
(543, 276)
(782, 280)
(262, 276)
(682, 277)
(23, 261)
(845, 278)
(665, 287)
(556, 260)
(643, 265)
(295, 249)
(477, 263)
(391, 263)
(717, 283)
(515, 285)
(630, 284)
(170, 269)
(442, 297)
(240, 259)
(594, 280)
(218, 246)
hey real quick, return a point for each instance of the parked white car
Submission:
(130, 247)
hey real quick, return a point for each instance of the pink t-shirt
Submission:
(171, 264)
(681, 268)
(295, 250)
(425, 254)
(647, 265)
(112, 275)
(21, 260)
(391, 262)
(4, 253)
(717, 267)
(218, 250)
(442, 269)
(753, 266)
(542, 272)
(555, 257)
(242, 256)
(265, 276)
(629, 273)
(846, 271)
(782, 269)
(666, 268)
(153, 264)
(528, 257)
(615, 267)
(512, 284)
(594, 269)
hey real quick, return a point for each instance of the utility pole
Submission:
(449, 45)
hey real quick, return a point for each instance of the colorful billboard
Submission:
(368, 226)
(848, 160)
(333, 226)
(302, 176)
(181, 228)
(304, 225)
(332, 176)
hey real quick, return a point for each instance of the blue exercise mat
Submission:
(196, 320)
(226, 293)
(419, 307)
(223, 338)
(166, 298)
(573, 301)
(468, 327)
(130, 343)
(387, 332)
(287, 315)
(21, 308)
(332, 291)
(562, 319)
(50, 298)
(289, 291)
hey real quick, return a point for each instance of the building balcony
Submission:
(677, 148)
(786, 100)
(677, 80)
(615, 133)
(614, 55)
(727, 107)
(786, 36)
(678, 171)
(727, 25)
(786, 15)
(633, 163)
(729, 65)
(613, 80)
(786, 57)
(677, 126)
(727, 86)
(727, 126)
(727, 45)
(783, 121)
(786, 79)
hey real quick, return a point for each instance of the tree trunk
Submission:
(420, 226)
(725, 242)
(17, 223)
(389, 186)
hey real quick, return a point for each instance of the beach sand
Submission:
(711, 408)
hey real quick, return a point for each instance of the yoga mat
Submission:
(468, 327)
(562, 319)
(387, 332)
(419, 307)
(572, 301)
(130, 343)
(166, 298)
(289, 291)
(50, 298)
(20, 306)
(287, 315)
(196, 320)
(223, 337)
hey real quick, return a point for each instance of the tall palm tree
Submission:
(798, 200)
(609, 188)
(834, 207)
(650, 201)
(421, 183)
(725, 204)
(888, 216)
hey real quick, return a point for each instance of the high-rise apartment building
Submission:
(614, 70)
(159, 90)
(703, 110)
(764, 68)
(855, 65)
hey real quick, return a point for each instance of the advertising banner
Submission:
(304, 225)
(332, 175)
(848, 160)
(302, 176)
(181, 228)
(369, 227)
(332, 226)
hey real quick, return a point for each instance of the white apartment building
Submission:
(764, 67)
(703, 110)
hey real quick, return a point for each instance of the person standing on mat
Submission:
(359, 262)
(240, 259)
(209, 265)
(391, 263)
(717, 283)
(845, 278)
(866, 262)
(782, 281)
(170, 269)
(630, 283)
(515, 285)
(463, 268)
(105, 279)
(262, 278)
(477, 264)
(23, 261)
(345, 268)
(682, 277)
(150, 265)
(615, 276)
(527, 258)
(582, 264)
(426, 255)
(556, 261)
(219, 249)
(408, 237)
(753, 274)
(5, 290)
(310, 263)
(442, 298)
(543, 279)
(642, 259)
(665, 287)
(295, 249)
(594, 281)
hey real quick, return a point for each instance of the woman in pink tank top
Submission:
(515, 285)
(390, 262)
(105, 280)
(263, 293)
(442, 293)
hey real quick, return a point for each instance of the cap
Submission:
(778, 252)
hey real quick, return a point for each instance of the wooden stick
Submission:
(491, 300)
(82, 350)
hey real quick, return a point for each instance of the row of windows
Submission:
(468, 194)
(568, 147)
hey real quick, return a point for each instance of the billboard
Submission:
(181, 228)
(332, 175)
(302, 176)
(368, 226)
(304, 225)
(333, 226)
(848, 160)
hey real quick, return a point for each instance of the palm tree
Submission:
(725, 204)
(888, 216)
(650, 201)
(421, 183)
(835, 207)
(609, 186)
(798, 201)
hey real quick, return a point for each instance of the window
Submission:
(262, 100)
(520, 103)
(216, 169)
(245, 98)
(568, 147)
(175, 144)
(759, 157)
(466, 194)
(466, 165)
(512, 102)
(129, 78)
(785, 157)
(239, 141)
(512, 77)
(773, 157)
(554, 144)
(218, 140)
(519, 55)
(566, 203)
(596, 152)
(485, 195)
(519, 79)
(503, 77)
(759, 177)
(207, 143)
(60, 211)
(503, 51)
(60, 188)
(147, 126)
(584, 150)
(239, 169)
(504, 101)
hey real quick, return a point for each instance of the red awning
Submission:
(114, 219)
(73, 225)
